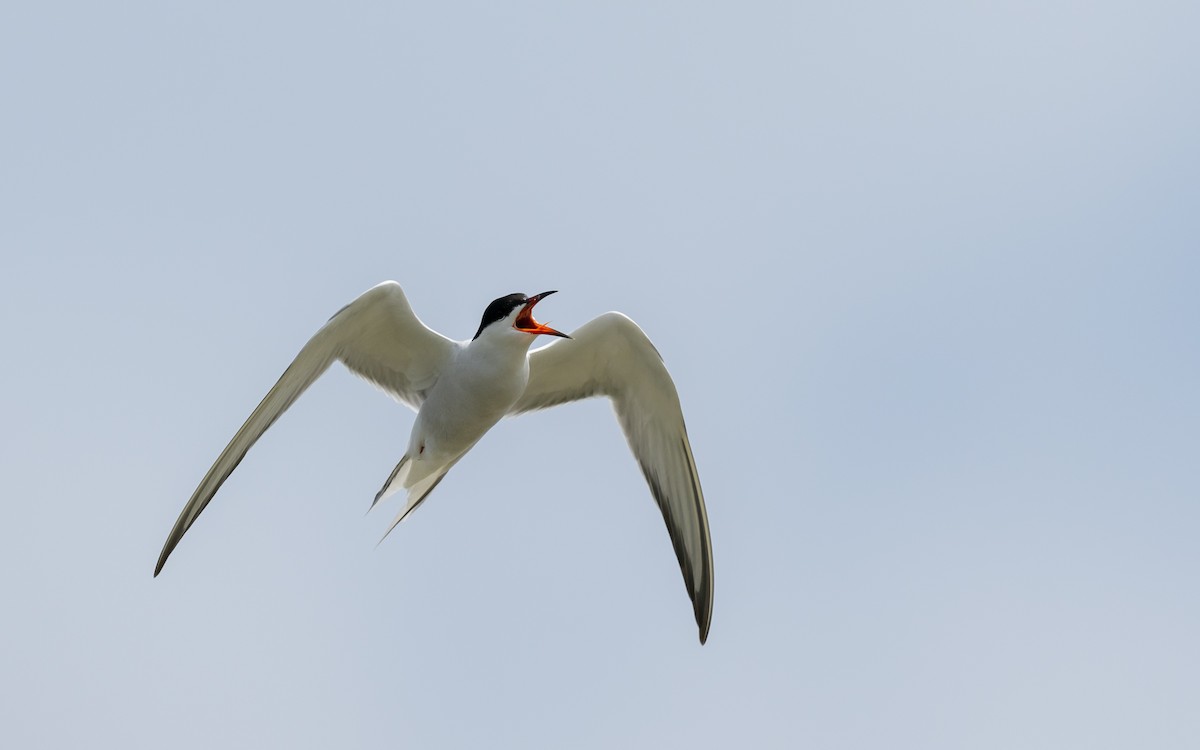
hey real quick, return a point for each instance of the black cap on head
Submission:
(499, 309)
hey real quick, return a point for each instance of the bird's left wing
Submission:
(377, 336)
(611, 356)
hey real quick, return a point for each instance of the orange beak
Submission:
(526, 324)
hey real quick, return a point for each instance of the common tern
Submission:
(460, 389)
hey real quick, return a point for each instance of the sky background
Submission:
(925, 275)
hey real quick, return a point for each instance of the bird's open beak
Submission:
(527, 324)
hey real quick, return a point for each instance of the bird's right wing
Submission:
(377, 336)
(611, 356)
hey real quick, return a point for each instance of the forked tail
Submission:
(416, 493)
(394, 481)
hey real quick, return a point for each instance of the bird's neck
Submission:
(501, 346)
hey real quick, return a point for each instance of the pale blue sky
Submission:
(925, 275)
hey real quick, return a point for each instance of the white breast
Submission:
(473, 394)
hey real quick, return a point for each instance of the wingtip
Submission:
(162, 557)
(702, 605)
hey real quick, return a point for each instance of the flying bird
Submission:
(460, 389)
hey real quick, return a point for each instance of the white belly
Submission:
(464, 404)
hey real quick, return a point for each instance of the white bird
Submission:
(460, 389)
